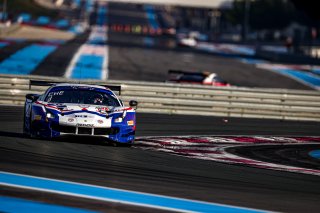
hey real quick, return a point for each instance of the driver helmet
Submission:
(97, 99)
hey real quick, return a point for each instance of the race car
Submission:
(187, 42)
(205, 78)
(79, 110)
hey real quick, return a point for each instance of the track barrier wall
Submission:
(170, 98)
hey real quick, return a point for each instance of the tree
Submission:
(263, 14)
(268, 14)
(310, 7)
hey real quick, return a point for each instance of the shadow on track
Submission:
(89, 141)
(68, 139)
(12, 134)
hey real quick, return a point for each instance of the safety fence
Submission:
(184, 99)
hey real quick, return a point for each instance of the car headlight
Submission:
(50, 115)
(118, 120)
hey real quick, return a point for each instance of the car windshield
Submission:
(218, 79)
(192, 77)
(82, 97)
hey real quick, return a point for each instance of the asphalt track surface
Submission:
(152, 65)
(97, 163)
(155, 172)
(11, 49)
(130, 58)
(287, 155)
(57, 62)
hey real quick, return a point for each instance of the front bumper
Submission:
(119, 133)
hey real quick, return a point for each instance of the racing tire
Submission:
(24, 130)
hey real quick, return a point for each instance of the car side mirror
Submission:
(133, 104)
(32, 97)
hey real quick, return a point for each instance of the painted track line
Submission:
(214, 148)
(92, 58)
(9, 204)
(315, 154)
(114, 195)
(25, 60)
(73, 63)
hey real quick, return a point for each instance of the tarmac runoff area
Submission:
(39, 33)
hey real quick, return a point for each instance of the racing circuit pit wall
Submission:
(169, 98)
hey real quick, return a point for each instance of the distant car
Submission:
(198, 36)
(188, 38)
(79, 110)
(187, 42)
(205, 78)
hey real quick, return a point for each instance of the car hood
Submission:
(69, 108)
(87, 116)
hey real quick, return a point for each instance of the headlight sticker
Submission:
(130, 123)
(37, 117)
(118, 120)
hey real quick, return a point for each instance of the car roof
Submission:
(79, 85)
(70, 85)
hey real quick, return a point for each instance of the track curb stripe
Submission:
(9, 204)
(92, 58)
(315, 154)
(214, 148)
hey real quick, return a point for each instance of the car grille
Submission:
(84, 130)
(106, 131)
(64, 129)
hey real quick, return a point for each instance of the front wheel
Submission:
(129, 144)
(25, 131)
(117, 144)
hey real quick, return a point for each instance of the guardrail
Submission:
(190, 99)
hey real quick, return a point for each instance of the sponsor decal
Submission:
(130, 123)
(51, 94)
(81, 116)
(70, 119)
(85, 125)
(56, 93)
(100, 121)
(102, 109)
(123, 109)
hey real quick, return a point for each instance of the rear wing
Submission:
(50, 83)
(113, 88)
(41, 83)
(186, 72)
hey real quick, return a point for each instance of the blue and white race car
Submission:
(79, 109)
